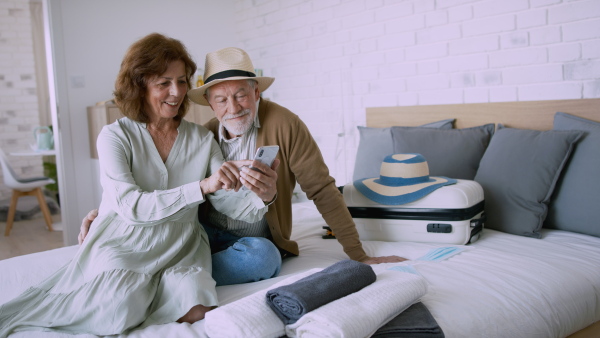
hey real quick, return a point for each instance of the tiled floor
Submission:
(29, 236)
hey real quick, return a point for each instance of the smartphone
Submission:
(266, 155)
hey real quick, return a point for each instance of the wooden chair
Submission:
(24, 187)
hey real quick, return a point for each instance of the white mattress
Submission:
(501, 286)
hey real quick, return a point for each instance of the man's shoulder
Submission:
(212, 125)
(274, 106)
(278, 113)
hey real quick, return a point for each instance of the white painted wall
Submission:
(333, 58)
(90, 39)
(18, 99)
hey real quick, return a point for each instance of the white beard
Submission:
(238, 127)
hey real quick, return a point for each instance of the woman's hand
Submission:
(86, 223)
(227, 177)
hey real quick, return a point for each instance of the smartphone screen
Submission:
(266, 154)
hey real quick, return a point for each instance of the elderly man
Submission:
(244, 252)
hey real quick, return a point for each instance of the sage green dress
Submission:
(146, 259)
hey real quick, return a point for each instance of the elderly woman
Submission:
(147, 259)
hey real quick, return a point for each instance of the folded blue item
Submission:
(292, 301)
(405, 268)
(440, 254)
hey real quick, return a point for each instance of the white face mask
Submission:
(405, 268)
(440, 254)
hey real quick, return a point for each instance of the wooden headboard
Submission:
(537, 115)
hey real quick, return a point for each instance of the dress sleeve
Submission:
(127, 199)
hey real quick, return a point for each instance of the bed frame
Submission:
(538, 115)
(526, 114)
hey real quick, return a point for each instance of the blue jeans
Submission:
(237, 260)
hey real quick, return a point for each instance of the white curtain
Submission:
(39, 52)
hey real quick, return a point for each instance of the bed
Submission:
(502, 285)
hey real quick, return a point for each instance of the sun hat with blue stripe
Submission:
(403, 178)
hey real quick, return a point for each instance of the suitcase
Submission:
(452, 214)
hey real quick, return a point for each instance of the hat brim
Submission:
(197, 94)
(396, 195)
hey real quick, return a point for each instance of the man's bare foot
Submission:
(195, 314)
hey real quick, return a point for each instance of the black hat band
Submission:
(229, 73)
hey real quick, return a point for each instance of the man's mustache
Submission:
(233, 116)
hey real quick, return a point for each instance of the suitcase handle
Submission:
(477, 226)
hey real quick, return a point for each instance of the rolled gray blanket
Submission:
(414, 322)
(292, 301)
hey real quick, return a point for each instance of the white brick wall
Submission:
(334, 58)
(18, 100)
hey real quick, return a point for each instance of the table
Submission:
(35, 153)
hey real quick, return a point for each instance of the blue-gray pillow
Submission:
(376, 143)
(453, 153)
(518, 173)
(575, 205)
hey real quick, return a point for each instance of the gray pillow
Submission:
(376, 143)
(453, 153)
(575, 205)
(518, 173)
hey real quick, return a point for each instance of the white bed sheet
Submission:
(500, 286)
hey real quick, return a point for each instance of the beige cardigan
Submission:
(301, 161)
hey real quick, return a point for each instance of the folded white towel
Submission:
(361, 313)
(250, 316)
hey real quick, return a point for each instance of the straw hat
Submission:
(403, 178)
(227, 64)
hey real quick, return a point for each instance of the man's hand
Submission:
(227, 177)
(86, 222)
(261, 179)
(384, 259)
